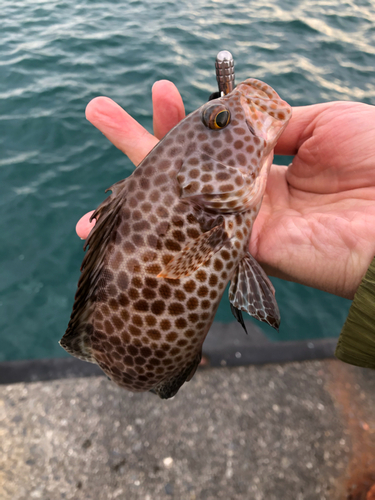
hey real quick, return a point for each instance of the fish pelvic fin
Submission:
(238, 315)
(196, 253)
(252, 291)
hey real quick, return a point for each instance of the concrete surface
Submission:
(298, 431)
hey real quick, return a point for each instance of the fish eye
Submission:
(215, 116)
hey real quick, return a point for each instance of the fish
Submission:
(170, 237)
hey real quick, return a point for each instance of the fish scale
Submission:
(170, 237)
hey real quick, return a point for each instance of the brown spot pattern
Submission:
(143, 330)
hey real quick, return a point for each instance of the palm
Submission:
(317, 221)
(316, 225)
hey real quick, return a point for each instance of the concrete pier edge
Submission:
(226, 345)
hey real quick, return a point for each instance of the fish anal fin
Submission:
(252, 291)
(195, 254)
(169, 388)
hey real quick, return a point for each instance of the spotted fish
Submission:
(171, 236)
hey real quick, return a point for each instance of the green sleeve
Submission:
(356, 343)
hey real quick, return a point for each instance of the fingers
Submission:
(127, 134)
(84, 225)
(299, 128)
(120, 128)
(168, 107)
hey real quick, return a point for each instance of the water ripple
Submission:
(57, 55)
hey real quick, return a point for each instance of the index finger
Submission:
(120, 128)
(125, 132)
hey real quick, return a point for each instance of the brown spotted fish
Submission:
(171, 236)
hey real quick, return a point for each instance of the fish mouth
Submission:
(256, 89)
(266, 113)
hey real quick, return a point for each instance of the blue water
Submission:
(54, 166)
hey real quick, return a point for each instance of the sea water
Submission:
(54, 166)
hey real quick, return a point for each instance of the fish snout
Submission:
(267, 114)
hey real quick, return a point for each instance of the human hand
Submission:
(316, 225)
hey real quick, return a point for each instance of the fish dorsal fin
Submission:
(76, 340)
(196, 253)
(220, 187)
(252, 291)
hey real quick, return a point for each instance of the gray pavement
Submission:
(301, 431)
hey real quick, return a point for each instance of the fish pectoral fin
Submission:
(252, 291)
(195, 254)
(220, 187)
